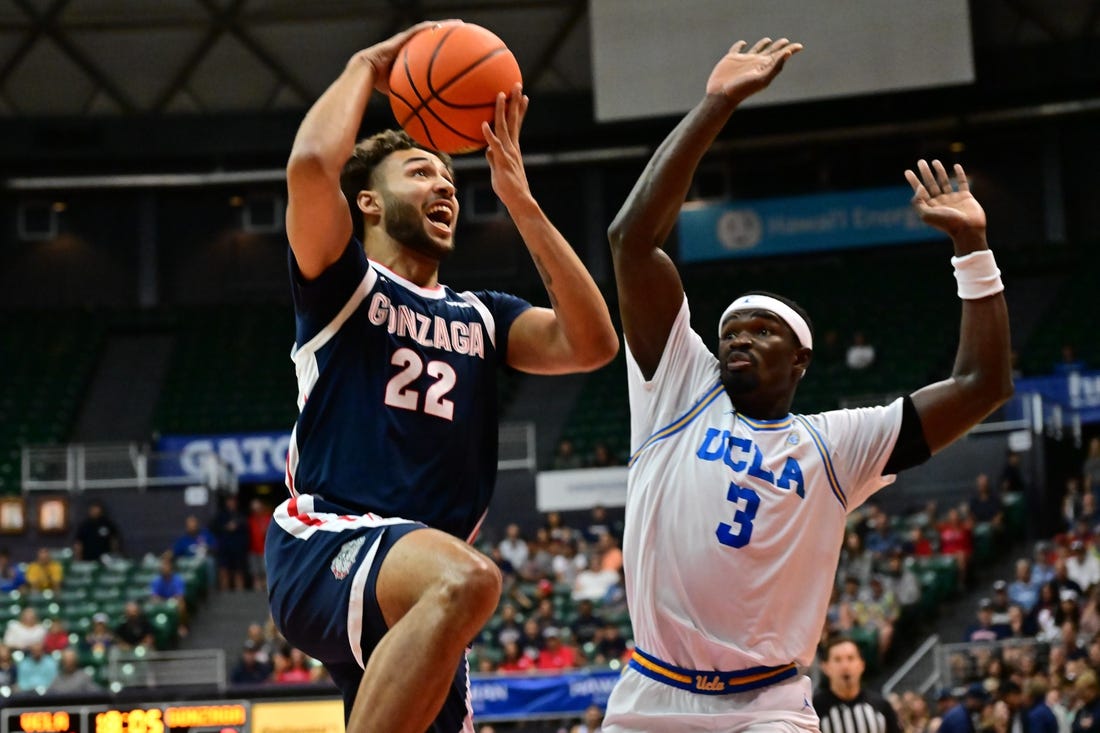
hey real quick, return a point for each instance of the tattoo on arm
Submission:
(547, 281)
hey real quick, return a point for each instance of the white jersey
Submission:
(734, 526)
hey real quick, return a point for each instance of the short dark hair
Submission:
(836, 640)
(793, 305)
(368, 153)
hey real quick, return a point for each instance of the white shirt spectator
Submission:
(1083, 567)
(514, 548)
(860, 355)
(592, 585)
(23, 632)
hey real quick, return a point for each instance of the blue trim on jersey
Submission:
(766, 425)
(679, 423)
(830, 472)
(709, 682)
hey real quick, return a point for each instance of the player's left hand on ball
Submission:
(503, 151)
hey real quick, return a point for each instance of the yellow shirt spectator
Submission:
(45, 573)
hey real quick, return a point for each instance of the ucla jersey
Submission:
(385, 371)
(734, 525)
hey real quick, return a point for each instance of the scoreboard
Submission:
(214, 716)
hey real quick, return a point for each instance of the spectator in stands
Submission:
(592, 722)
(100, 638)
(135, 629)
(878, 609)
(292, 668)
(855, 561)
(539, 558)
(196, 540)
(984, 629)
(901, 581)
(1070, 363)
(44, 573)
(24, 632)
(515, 660)
(611, 557)
(531, 640)
(1083, 566)
(1040, 718)
(841, 702)
(513, 547)
(1042, 569)
(1012, 476)
(557, 528)
(881, 541)
(231, 537)
(259, 517)
(586, 625)
(960, 717)
(914, 716)
(8, 673)
(565, 457)
(1090, 614)
(945, 700)
(555, 655)
(1071, 502)
(594, 582)
(602, 456)
(11, 577)
(985, 506)
(97, 535)
(509, 628)
(610, 644)
(249, 670)
(1020, 624)
(598, 524)
(1062, 581)
(568, 563)
(1087, 689)
(71, 679)
(957, 541)
(1090, 469)
(57, 636)
(860, 355)
(1022, 591)
(37, 669)
(169, 587)
(1000, 603)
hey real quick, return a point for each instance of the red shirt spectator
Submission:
(57, 638)
(955, 536)
(556, 655)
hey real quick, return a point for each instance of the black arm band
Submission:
(911, 449)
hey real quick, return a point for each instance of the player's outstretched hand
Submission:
(740, 73)
(939, 205)
(382, 54)
(509, 178)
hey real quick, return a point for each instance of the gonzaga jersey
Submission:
(397, 393)
(735, 525)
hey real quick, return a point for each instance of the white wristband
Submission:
(977, 275)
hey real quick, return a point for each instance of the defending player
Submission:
(736, 508)
(393, 457)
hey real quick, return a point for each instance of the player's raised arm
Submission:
(577, 333)
(982, 378)
(650, 291)
(318, 224)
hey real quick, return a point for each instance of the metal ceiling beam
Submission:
(285, 75)
(546, 59)
(36, 31)
(49, 27)
(216, 25)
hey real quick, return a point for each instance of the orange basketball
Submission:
(444, 84)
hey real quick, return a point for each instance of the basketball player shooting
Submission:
(393, 457)
(736, 508)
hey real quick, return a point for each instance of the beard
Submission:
(405, 223)
(739, 382)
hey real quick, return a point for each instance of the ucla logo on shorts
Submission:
(341, 564)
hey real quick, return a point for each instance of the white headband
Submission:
(763, 302)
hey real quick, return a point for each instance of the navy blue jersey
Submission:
(397, 393)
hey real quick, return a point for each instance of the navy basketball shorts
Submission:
(322, 568)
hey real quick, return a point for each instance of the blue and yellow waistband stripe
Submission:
(680, 423)
(710, 682)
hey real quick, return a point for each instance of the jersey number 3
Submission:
(739, 532)
(399, 395)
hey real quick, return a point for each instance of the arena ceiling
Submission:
(64, 58)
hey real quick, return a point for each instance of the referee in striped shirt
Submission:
(842, 704)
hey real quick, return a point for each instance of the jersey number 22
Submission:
(400, 395)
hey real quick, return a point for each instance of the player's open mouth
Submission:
(440, 217)
(737, 362)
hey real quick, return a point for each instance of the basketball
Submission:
(444, 84)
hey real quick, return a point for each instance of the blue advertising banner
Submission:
(768, 227)
(504, 697)
(252, 456)
(1076, 392)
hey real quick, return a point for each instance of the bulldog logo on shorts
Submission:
(341, 564)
